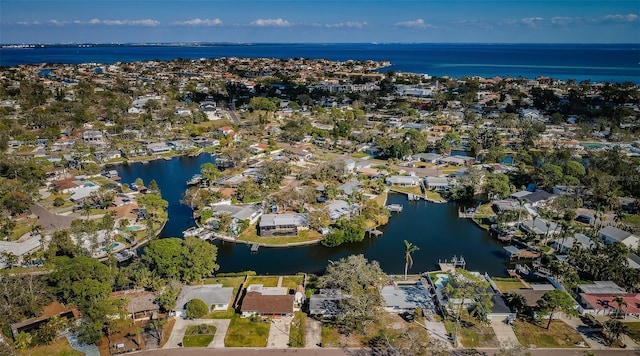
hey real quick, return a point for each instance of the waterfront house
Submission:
(350, 187)
(564, 245)
(406, 297)
(610, 234)
(157, 148)
(440, 184)
(604, 304)
(540, 227)
(325, 303)
(215, 296)
(283, 224)
(267, 301)
(403, 181)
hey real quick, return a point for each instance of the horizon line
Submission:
(299, 43)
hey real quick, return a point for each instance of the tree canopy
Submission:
(188, 260)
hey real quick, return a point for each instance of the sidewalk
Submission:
(504, 333)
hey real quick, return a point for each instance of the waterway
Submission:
(434, 228)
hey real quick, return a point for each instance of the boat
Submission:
(193, 231)
(196, 179)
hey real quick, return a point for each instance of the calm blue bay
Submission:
(595, 62)
(435, 228)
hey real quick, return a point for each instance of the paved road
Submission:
(181, 326)
(234, 117)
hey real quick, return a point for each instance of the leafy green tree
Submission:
(209, 172)
(188, 260)
(409, 248)
(465, 285)
(556, 300)
(352, 273)
(517, 301)
(196, 309)
(262, 103)
(497, 185)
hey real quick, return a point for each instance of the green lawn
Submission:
(472, 334)
(264, 280)
(508, 284)
(434, 195)
(634, 331)
(198, 336)
(250, 234)
(360, 155)
(410, 190)
(330, 336)
(632, 219)
(296, 332)
(291, 282)
(59, 347)
(247, 332)
(558, 335)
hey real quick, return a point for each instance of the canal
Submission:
(434, 228)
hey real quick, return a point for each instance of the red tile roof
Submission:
(605, 301)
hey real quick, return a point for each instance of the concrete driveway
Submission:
(181, 325)
(504, 333)
(438, 332)
(313, 334)
(279, 333)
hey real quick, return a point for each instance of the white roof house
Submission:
(404, 181)
(215, 296)
(610, 234)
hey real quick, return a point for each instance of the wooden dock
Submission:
(450, 266)
(374, 232)
(255, 247)
(395, 208)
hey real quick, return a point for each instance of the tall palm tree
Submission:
(409, 248)
(619, 300)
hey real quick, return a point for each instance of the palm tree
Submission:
(517, 301)
(619, 300)
(409, 248)
(615, 328)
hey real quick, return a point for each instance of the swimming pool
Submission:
(133, 228)
(111, 247)
(442, 279)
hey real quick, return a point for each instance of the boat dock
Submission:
(374, 232)
(450, 266)
(255, 247)
(395, 208)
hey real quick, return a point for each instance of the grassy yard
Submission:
(59, 347)
(360, 155)
(558, 335)
(632, 219)
(431, 194)
(264, 280)
(485, 210)
(243, 332)
(250, 234)
(634, 331)
(296, 332)
(507, 284)
(472, 334)
(21, 228)
(233, 282)
(198, 336)
(381, 199)
(410, 190)
(292, 282)
(330, 336)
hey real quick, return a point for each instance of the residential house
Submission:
(610, 234)
(540, 227)
(19, 249)
(325, 303)
(441, 184)
(262, 301)
(93, 137)
(51, 310)
(403, 181)
(215, 296)
(604, 304)
(340, 208)
(140, 304)
(564, 245)
(157, 148)
(401, 297)
(350, 187)
(427, 157)
(283, 224)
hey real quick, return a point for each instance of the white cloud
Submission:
(199, 22)
(419, 23)
(533, 21)
(350, 24)
(56, 22)
(563, 21)
(95, 21)
(618, 18)
(270, 23)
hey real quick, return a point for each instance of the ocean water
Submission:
(595, 62)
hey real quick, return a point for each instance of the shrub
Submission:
(196, 308)
(58, 202)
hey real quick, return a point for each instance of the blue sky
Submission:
(505, 21)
